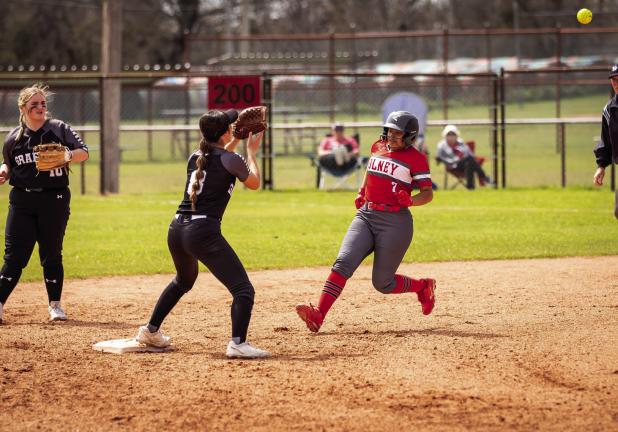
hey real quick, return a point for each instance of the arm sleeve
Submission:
(419, 171)
(72, 140)
(603, 149)
(325, 145)
(236, 165)
(444, 155)
(6, 157)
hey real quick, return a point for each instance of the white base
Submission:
(121, 346)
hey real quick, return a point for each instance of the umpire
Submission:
(39, 201)
(606, 151)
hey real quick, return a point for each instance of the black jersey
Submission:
(216, 187)
(18, 155)
(606, 149)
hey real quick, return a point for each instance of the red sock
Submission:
(332, 288)
(405, 284)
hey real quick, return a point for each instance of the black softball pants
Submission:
(190, 241)
(35, 217)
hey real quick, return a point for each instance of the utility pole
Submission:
(111, 57)
(516, 28)
(245, 24)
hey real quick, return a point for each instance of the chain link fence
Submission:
(159, 116)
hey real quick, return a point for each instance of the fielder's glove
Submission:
(250, 120)
(360, 198)
(51, 156)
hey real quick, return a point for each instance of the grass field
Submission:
(126, 234)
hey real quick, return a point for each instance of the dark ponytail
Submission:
(202, 159)
(213, 124)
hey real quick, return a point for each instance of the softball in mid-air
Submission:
(584, 16)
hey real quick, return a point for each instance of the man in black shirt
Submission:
(39, 201)
(195, 232)
(606, 151)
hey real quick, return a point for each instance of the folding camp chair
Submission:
(459, 174)
(340, 179)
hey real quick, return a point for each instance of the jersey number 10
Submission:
(56, 172)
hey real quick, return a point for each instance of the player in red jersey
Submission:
(383, 223)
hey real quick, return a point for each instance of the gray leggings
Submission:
(386, 234)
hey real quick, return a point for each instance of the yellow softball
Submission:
(584, 16)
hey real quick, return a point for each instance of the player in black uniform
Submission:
(39, 201)
(606, 151)
(195, 232)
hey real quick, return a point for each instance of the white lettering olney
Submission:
(389, 168)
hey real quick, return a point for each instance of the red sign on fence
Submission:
(237, 92)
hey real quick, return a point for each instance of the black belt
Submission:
(193, 217)
(41, 189)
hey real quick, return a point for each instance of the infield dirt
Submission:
(511, 345)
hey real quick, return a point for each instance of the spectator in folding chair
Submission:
(339, 156)
(459, 159)
(337, 153)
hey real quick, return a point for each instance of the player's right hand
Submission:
(4, 176)
(598, 176)
(360, 198)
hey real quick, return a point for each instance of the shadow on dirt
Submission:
(425, 332)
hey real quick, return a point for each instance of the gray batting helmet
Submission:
(405, 122)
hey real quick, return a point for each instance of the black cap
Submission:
(214, 123)
(613, 71)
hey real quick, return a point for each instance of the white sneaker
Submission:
(156, 339)
(245, 350)
(55, 312)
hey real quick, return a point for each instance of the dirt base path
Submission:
(518, 345)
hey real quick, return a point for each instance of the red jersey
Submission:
(391, 171)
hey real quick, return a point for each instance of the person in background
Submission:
(606, 150)
(337, 152)
(454, 152)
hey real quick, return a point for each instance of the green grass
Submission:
(126, 234)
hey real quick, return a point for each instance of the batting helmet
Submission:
(405, 122)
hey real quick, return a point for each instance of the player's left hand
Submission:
(403, 198)
(360, 198)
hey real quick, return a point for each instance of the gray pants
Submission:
(386, 234)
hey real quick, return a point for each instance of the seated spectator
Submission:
(456, 155)
(338, 153)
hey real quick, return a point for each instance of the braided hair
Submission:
(213, 125)
(25, 95)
